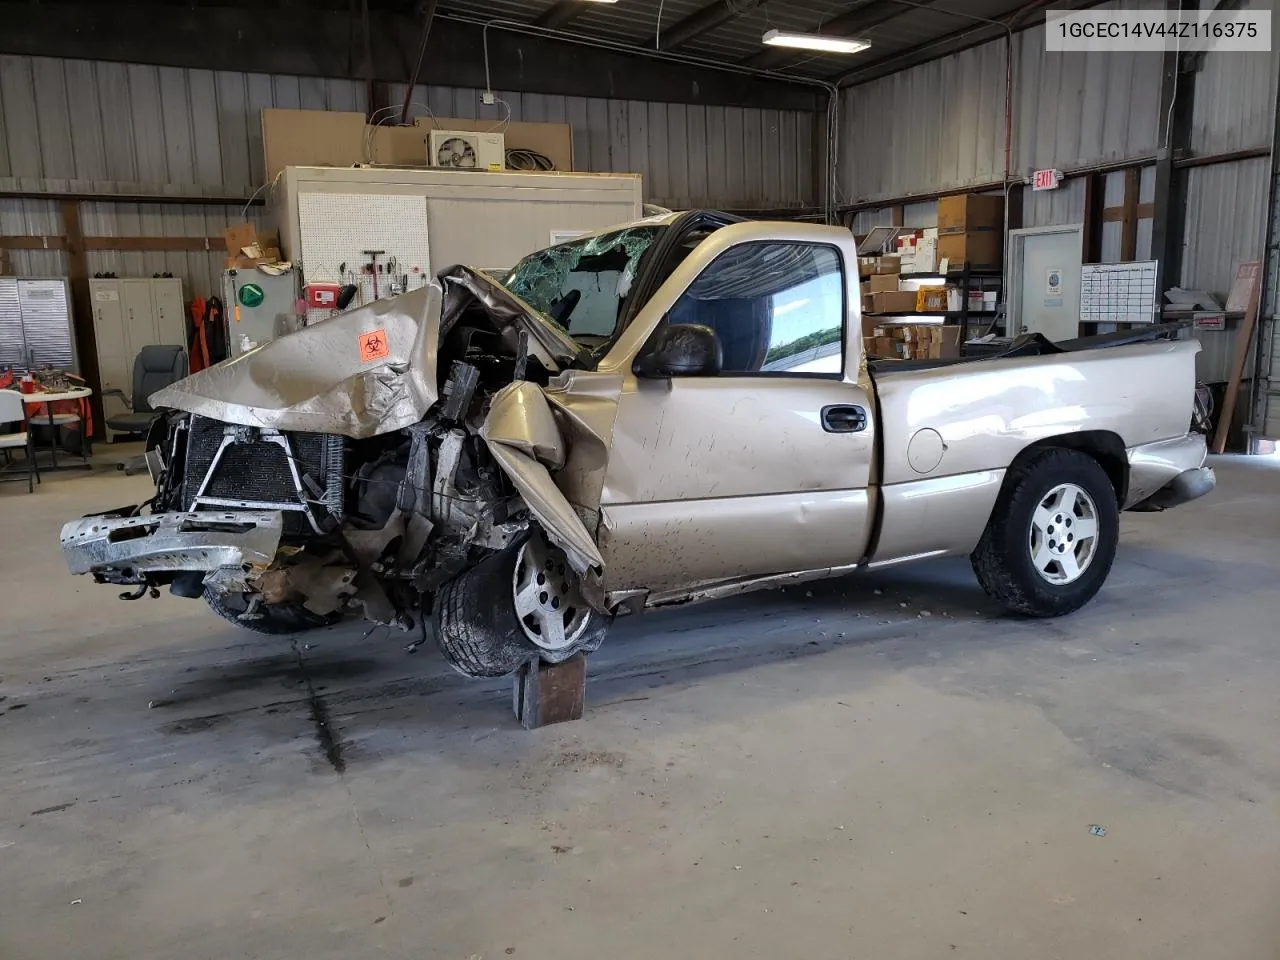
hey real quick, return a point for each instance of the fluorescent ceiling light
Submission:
(814, 41)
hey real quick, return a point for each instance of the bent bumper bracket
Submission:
(131, 550)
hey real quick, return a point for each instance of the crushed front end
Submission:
(296, 486)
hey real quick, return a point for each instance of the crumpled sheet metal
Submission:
(521, 417)
(366, 372)
(522, 435)
(321, 378)
(585, 413)
(553, 347)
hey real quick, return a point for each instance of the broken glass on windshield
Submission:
(581, 284)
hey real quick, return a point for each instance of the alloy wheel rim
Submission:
(548, 600)
(1063, 536)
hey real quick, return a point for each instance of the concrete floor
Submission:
(827, 772)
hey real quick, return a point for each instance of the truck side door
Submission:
(765, 468)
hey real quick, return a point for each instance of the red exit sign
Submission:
(1046, 180)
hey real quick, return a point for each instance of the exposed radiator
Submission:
(256, 470)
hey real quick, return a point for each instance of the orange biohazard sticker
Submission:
(373, 346)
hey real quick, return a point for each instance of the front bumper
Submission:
(223, 544)
(1168, 473)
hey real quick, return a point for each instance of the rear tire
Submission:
(1030, 558)
(476, 622)
(276, 619)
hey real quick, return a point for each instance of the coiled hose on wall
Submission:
(521, 159)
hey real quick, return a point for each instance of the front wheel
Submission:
(1052, 537)
(524, 603)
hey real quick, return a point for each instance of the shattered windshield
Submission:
(582, 284)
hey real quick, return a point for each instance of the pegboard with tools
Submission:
(377, 241)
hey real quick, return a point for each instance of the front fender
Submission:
(522, 435)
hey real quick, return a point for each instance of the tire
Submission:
(276, 620)
(1009, 558)
(479, 631)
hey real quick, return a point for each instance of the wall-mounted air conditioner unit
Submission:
(463, 150)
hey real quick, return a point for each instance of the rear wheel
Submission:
(522, 604)
(1052, 537)
(273, 619)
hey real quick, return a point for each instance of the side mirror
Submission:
(679, 350)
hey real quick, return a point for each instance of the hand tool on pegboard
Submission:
(372, 267)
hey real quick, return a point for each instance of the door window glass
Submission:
(776, 307)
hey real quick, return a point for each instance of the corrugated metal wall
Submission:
(108, 127)
(940, 125)
(33, 218)
(934, 127)
(1235, 97)
(96, 127)
(1226, 219)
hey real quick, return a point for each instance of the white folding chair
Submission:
(13, 411)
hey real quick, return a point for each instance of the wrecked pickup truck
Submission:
(669, 411)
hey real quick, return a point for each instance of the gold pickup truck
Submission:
(668, 411)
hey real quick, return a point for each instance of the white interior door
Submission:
(1049, 276)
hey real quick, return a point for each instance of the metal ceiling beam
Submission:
(558, 14)
(703, 21)
(214, 38)
(871, 13)
(428, 15)
(971, 36)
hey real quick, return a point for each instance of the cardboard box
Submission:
(884, 347)
(883, 283)
(890, 263)
(945, 343)
(238, 237)
(269, 255)
(866, 266)
(246, 247)
(926, 257)
(980, 249)
(894, 301)
(868, 303)
(970, 211)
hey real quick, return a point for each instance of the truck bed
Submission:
(1037, 345)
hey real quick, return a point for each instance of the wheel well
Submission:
(1103, 445)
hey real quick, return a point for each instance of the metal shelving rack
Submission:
(985, 279)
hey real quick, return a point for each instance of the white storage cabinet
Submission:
(129, 314)
(35, 324)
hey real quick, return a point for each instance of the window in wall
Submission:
(776, 307)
